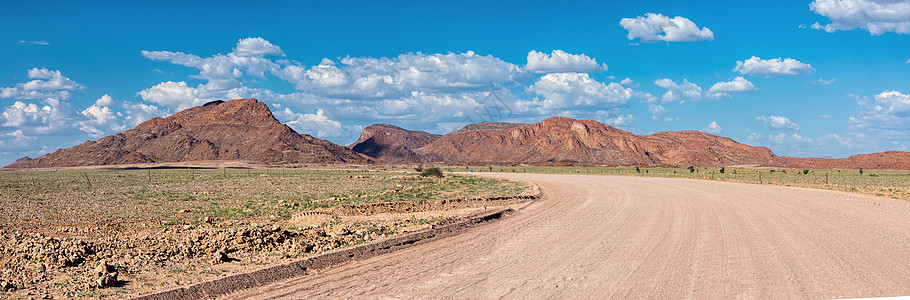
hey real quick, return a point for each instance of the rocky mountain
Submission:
(561, 141)
(19, 162)
(896, 160)
(241, 129)
(567, 141)
(392, 144)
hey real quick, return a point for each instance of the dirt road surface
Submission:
(627, 237)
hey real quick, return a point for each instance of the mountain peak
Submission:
(240, 129)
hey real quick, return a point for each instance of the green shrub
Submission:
(722, 169)
(805, 171)
(691, 169)
(436, 172)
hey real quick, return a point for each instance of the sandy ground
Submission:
(630, 237)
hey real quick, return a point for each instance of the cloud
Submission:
(46, 84)
(657, 27)
(175, 95)
(256, 47)
(136, 113)
(776, 139)
(560, 61)
(15, 140)
(222, 71)
(317, 124)
(778, 122)
(372, 78)
(775, 66)
(887, 116)
(822, 81)
(713, 128)
(53, 117)
(100, 119)
(578, 90)
(875, 16)
(657, 111)
(679, 92)
(620, 120)
(35, 43)
(737, 85)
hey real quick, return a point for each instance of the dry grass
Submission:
(74, 197)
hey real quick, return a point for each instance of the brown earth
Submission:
(241, 129)
(392, 144)
(606, 237)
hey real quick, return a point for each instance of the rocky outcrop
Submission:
(241, 129)
(893, 160)
(561, 140)
(392, 144)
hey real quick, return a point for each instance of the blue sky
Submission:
(804, 78)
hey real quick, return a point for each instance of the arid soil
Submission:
(600, 237)
(81, 233)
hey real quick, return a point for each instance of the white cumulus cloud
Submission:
(875, 16)
(657, 27)
(713, 128)
(574, 90)
(46, 84)
(318, 124)
(778, 122)
(256, 47)
(560, 61)
(887, 116)
(737, 85)
(774, 66)
(679, 92)
(176, 95)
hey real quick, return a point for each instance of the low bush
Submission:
(435, 172)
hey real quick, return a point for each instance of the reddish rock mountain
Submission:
(564, 140)
(567, 141)
(242, 129)
(392, 144)
(19, 162)
(895, 160)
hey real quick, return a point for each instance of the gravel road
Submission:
(635, 237)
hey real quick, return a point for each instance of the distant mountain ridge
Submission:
(245, 130)
(241, 129)
(560, 140)
(568, 141)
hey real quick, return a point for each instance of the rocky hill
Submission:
(895, 160)
(567, 141)
(392, 144)
(241, 129)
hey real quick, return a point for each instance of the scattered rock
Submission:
(106, 274)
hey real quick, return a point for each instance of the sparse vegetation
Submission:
(432, 172)
(167, 225)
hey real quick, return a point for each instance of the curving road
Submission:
(633, 237)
